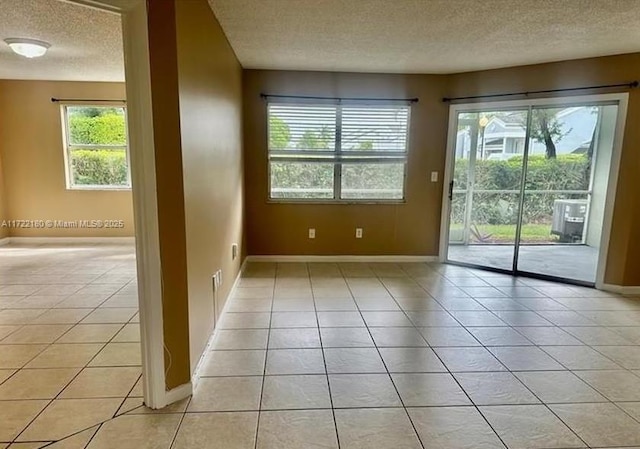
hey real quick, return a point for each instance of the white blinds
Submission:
(380, 128)
(339, 128)
(339, 152)
(302, 127)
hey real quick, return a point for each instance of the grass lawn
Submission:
(531, 233)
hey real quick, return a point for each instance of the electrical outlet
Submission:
(234, 251)
(217, 279)
(434, 176)
(358, 233)
(312, 233)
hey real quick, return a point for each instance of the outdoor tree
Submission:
(546, 129)
(366, 145)
(299, 176)
(106, 129)
(315, 140)
(95, 127)
(279, 133)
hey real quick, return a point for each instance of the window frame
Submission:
(335, 157)
(68, 147)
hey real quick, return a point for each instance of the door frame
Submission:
(621, 98)
(133, 15)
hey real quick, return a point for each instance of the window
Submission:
(337, 152)
(95, 139)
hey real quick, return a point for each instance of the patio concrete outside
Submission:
(577, 262)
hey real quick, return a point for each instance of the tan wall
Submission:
(210, 88)
(197, 101)
(413, 228)
(623, 265)
(32, 156)
(399, 229)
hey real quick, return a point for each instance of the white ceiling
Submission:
(424, 36)
(86, 44)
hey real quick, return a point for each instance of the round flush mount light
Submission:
(29, 48)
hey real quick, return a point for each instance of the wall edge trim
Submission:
(345, 258)
(5, 241)
(178, 393)
(194, 376)
(621, 289)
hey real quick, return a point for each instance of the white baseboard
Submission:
(621, 289)
(195, 375)
(178, 393)
(342, 258)
(67, 240)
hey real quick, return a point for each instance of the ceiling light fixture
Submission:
(29, 48)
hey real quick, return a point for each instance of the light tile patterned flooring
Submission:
(341, 356)
(69, 342)
(412, 355)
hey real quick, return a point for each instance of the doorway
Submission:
(531, 185)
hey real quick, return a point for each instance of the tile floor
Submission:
(69, 342)
(368, 356)
(330, 356)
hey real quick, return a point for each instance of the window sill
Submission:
(99, 189)
(337, 202)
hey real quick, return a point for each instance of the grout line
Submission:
(368, 407)
(517, 379)
(326, 371)
(545, 404)
(379, 276)
(461, 388)
(92, 436)
(182, 417)
(266, 359)
(80, 370)
(61, 391)
(415, 430)
(127, 397)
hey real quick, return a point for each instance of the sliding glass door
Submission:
(529, 187)
(568, 164)
(485, 189)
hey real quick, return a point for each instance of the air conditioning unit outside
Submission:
(568, 219)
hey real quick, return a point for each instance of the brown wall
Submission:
(413, 228)
(399, 229)
(197, 101)
(170, 193)
(623, 265)
(632, 273)
(32, 155)
(210, 88)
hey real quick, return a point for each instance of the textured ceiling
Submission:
(86, 44)
(424, 36)
(406, 36)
